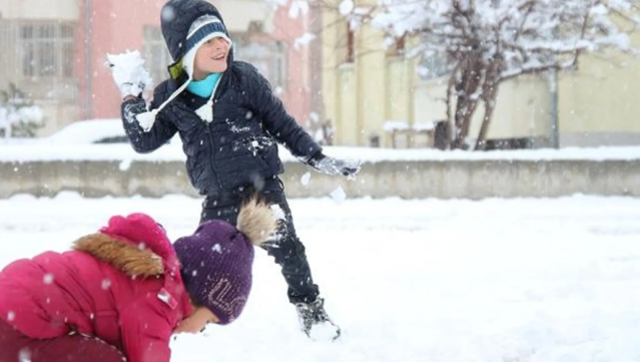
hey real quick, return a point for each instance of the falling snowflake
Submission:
(106, 284)
(48, 278)
(24, 355)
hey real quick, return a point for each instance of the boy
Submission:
(230, 122)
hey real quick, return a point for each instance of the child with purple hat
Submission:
(122, 292)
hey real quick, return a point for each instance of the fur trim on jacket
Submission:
(126, 257)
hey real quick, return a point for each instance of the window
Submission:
(156, 54)
(270, 57)
(434, 66)
(279, 65)
(47, 50)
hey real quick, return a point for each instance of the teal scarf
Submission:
(204, 88)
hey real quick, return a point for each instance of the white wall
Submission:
(65, 10)
(238, 14)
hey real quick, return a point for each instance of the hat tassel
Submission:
(146, 119)
(206, 111)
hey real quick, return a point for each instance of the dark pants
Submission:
(16, 347)
(288, 252)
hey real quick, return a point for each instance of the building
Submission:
(56, 51)
(368, 90)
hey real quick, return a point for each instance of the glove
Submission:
(332, 166)
(128, 73)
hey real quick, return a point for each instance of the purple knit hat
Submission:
(216, 268)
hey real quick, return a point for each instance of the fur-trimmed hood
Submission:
(134, 261)
(135, 244)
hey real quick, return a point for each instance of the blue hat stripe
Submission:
(215, 27)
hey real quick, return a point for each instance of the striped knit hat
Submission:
(202, 30)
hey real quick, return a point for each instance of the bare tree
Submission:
(487, 42)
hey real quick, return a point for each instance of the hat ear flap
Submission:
(176, 70)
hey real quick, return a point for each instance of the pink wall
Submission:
(297, 96)
(117, 25)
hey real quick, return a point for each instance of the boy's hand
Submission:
(333, 166)
(128, 73)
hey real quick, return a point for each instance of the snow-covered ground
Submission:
(423, 280)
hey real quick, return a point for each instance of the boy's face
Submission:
(211, 57)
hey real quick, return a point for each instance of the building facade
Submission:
(57, 51)
(368, 90)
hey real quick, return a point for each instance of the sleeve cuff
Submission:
(315, 158)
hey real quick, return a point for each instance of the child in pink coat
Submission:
(122, 292)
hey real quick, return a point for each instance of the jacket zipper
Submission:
(213, 145)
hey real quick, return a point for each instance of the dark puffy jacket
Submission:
(240, 146)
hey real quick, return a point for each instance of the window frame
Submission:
(46, 49)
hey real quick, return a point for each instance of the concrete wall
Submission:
(411, 179)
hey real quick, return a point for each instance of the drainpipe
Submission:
(555, 132)
(88, 60)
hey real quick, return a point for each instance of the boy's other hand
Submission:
(333, 166)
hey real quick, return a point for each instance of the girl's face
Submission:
(211, 57)
(196, 322)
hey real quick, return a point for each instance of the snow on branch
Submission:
(516, 33)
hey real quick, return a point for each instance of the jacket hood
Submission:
(135, 244)
(175, 20)
(132, 260)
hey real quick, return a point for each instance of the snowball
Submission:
(338, 194)
(125, 165)
(305, 179)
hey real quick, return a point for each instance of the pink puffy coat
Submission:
(122, 285)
